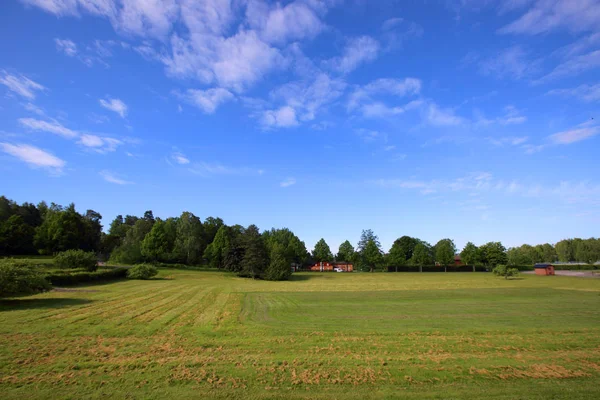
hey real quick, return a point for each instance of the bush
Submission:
(73, 259)
(71, 278)
(506, 272)
(142, 271)
(17, 278)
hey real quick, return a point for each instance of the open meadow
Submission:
(194, 334)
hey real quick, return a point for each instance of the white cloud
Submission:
(585, 92)
(578, 47)
(99, 144)
(512, 117)
(574, 135)
(235, 63)
(48, 126)
(20, 85)
(309, 97)
(389, 148)
(34, 156)
(396, 30)
(207, 100)
(442, 116)
(288, 182)
(152, 18)
(180, 158)
(549, 15)
(115, 105)
(278, 24)
(211, 169)
(371, 135)
(34, 109)
(112, 178)
(283, 117)
(66, 46)
(396, 87)
(512, 62)
(573, 66)
(358, 50)
(508, 140)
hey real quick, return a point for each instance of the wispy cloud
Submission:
(99, 144)
(484, 182)
(574, 135)
(110, 177)
(48, 126)
(179, 158)
(66, 46)
(358, 51)
(288, 182)
(585, 92)
(365, 95)
(115, 105)
(206, 100)
(438, 116)
(550, 15)
(20, 85)
(210, 169)
(513, 63)
(508, 140)
(572, 67)
(35, 157)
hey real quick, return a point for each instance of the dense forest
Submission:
(27, 229)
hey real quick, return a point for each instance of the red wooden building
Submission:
(327, 266)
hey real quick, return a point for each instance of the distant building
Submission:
(544, 269)
(330, 266)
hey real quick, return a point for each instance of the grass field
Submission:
(197, 334)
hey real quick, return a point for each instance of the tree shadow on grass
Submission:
(27, 304)
(307, 277)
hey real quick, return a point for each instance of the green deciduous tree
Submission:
(322, 252)
(444, 251)
(189, 242)
(372, 255)
(493, 253)
(422, 255)
(345, 252)
(279, 267)
(471, 255)
(402, 251)
(16, 237)
(157, 245)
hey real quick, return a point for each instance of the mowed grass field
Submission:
(193, 334)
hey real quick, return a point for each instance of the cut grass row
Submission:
(208, 334)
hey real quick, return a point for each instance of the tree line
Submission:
(41, 229)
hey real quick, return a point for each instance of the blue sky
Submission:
(474, 119)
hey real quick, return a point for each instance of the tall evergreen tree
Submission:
(255, 257)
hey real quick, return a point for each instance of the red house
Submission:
(327, 266)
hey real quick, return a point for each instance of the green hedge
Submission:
(62, 279)
(566, 267)
(16, 278)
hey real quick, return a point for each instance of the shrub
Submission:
(17, 278)
(142, 271)
(73, 259)
(71, 278)
(506, 272)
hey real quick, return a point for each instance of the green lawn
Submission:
(194, 334)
